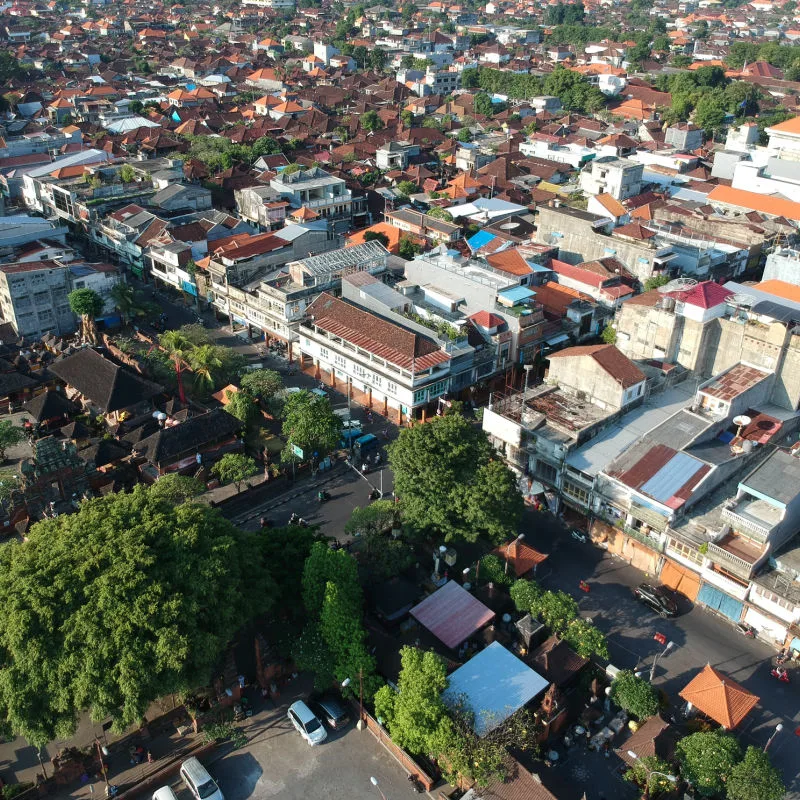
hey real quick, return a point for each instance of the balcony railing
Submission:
(745, 525)
(322, 202)
(738, 566)
(644, 538)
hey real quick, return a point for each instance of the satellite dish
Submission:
(742, 420)
(677, 285)
(741, 299)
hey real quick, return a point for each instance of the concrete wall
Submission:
(583, 374)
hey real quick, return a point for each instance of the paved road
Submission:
(700, 638)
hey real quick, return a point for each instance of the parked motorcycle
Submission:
(415, 782)
(780, 673)
(782, 657)
(746, 630)
(323, 496)
(579, 536)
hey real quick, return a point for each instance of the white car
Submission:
(306, 722)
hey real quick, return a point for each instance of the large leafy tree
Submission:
(585, 639)
(262, 384)
(451, 484)
(175, 488)
(235, 468)
(707, 760)
(414, 712)
(634, 694)
(309, 423)
(86, 304)
(643, 773)
(754, 778)
(10, 435)
(128, 301)
(107, 609)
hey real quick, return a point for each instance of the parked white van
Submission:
(198, 781)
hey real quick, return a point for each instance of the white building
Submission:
(618, 177)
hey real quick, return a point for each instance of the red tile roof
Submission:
(452, 614)
(704, 295)
(400, 346)
(485, 319)
(510, 261)
(521, 556)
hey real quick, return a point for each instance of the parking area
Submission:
(277, 762)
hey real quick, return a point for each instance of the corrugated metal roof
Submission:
(677, 472)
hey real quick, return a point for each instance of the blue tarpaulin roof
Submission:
(480, 239)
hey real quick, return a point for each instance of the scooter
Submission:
(415, 782)
(746, 630)
(579, 536)
(296, 519)
(323, 496)
(780, 674)
(782, 657)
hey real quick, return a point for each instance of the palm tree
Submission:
(179, 349)
(204, 360)
(129, 302)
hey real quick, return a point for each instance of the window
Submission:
(323, 352)
(687, 552)
(577, 493)
(773, 598)
(340, 361)
(391, 386)
(419, 396)
(377, 380)
(438, 388)
(546, 472)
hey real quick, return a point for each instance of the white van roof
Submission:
(164, 793)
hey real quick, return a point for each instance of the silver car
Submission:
(307, 724)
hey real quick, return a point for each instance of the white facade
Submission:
(618, 177)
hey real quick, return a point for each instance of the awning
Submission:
(557, 339)
(717, 600)
(137, 270)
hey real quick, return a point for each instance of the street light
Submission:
(778, 729)
(518, 539)
(345, 684)
(650, 773)
(374, 781)
(669, 647)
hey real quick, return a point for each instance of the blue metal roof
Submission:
(516, 294)
(674, 474)
(479, 239)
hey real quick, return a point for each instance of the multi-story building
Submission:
(320, 194)
(618, 177)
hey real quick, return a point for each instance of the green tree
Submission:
(635, 695)
(235, 468)
(414, 712)
(177, 345)
(492, 569)
(376, 236)
(709, 113)
(262, 384)
(376, 518)
(557, 610)
(655, 281)
(360, 55)
(464, 135)
(86, 304)
(205, 363)
(642, 774)
(136, 107)
(289, 547)
(176, 489)
(127, 174)
(609, 334)
(98, 613)
(440, 213)
(406, 188)
(370, 121)
(585, 639)
(408, 248)
(241, 406)
(525, 595)
(451, 484)
(310, 424)
(10, 435)
(707, 760)
(483, 105)
(128, 301)
(754, 778)
(377, 59)
(407, 118)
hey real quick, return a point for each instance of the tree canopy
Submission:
(707, 760)
(107, 609)
(310, 424)
(451, 484)
(634, 694)
(754, 778)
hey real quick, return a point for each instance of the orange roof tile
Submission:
(788, 291)
(611, 205)
(789, 126)
(521, 556)
(765, 203)
(719, 697)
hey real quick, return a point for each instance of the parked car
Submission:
(306, 722)
(658, 598)
(164, 793)
(199, 783)
(331, 710)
